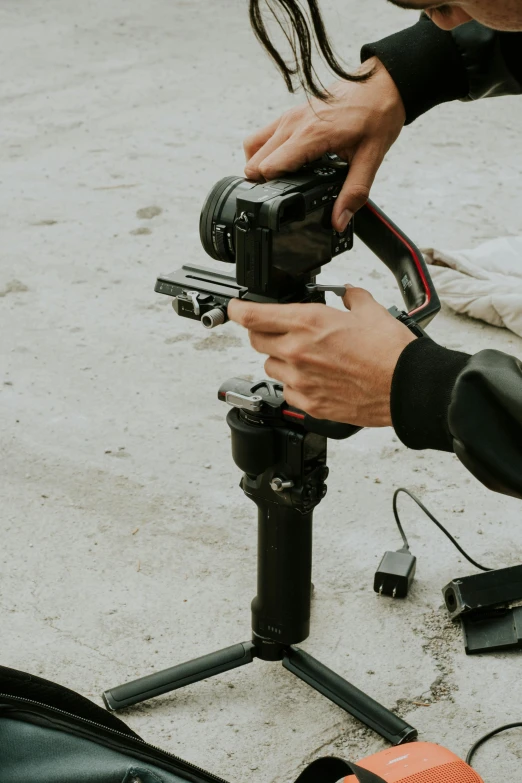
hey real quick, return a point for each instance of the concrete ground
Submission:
(126, 543)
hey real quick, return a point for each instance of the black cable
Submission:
(441, 527)
(478, 744)
(487, 737)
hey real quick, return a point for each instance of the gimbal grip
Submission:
(330, 429)
(402, 258)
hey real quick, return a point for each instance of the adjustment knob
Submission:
(221, 243)
(214, 317)
(278, 485)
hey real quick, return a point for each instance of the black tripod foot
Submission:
(347, 696)
(178, 676)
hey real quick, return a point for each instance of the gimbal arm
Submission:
(403, 259)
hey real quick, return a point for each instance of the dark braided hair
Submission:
(294, 23)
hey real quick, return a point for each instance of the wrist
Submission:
(390, 99)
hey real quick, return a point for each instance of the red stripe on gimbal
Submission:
(412, 252)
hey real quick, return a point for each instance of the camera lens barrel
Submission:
(216, 224)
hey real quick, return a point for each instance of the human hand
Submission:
(334, 365)
(360, 125)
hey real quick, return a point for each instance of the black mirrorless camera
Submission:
(279, 234)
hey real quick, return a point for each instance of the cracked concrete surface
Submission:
(126, 543)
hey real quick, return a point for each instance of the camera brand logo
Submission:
(401, 758)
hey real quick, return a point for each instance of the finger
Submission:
(256, 140)
(295, 399)
(292, 154)
(270, 318)
(269, 344)
(279, 370)
(253, 167)
(356, 298)
(356, 188)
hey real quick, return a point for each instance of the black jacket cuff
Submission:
(511, 48)
(426, 65)
(485, 418)
(421, 393)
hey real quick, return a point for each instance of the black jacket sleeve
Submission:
(432, 66)
(470, 405)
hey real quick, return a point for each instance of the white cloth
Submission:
(484, 283)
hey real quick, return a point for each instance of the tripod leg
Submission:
(179, 676)
(347, 696)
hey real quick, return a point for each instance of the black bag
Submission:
(49, 734)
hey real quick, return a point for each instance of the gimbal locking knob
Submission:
(278, 485)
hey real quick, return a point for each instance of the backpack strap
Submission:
(365, 776)
(333, 770)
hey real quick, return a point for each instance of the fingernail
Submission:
(344, 219)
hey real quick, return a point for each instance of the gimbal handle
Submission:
(403, 259)
(330, 429)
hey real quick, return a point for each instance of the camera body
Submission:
(278, 233)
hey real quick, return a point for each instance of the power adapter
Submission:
(397, 569)
(395, 574)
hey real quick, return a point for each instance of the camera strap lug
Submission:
(408, 321)
(242, 222)
(237, 400)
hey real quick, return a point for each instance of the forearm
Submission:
(471, 405)
(431, 66)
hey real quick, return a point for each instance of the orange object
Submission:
(418, 762)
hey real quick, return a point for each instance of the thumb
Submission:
(356, 298)
(357, 185)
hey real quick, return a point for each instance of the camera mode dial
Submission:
(324, 172)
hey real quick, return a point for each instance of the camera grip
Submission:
(402, 258)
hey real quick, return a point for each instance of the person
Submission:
(362, 366)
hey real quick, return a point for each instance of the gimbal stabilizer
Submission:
(282, 453)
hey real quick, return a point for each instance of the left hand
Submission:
(334, 365)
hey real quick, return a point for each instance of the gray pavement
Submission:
(127, 545)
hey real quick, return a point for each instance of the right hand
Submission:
(360, 124)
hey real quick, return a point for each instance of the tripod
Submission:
(283, 455)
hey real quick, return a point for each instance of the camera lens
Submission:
(216, 224)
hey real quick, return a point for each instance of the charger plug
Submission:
(395, 574)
